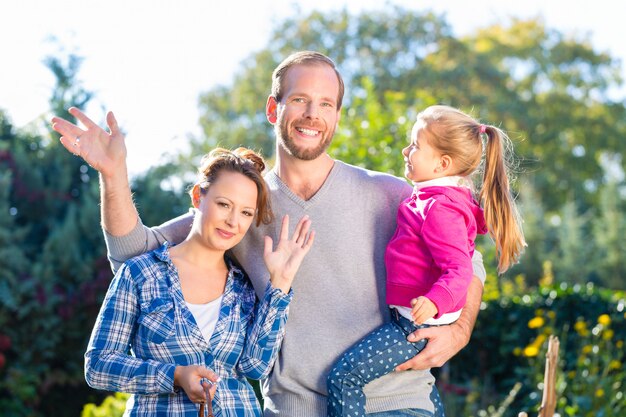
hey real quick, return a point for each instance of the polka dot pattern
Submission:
(376, 355)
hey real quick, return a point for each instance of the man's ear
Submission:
(271, 110)
(195, 195)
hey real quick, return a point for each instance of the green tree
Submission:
(548, 89)
(52, 200)
(372, 134)
(609, 229)
(575, 260)
(68, 91)
(539, 234)
(160, 195)
(366, 46)
(560, 107)
(56, 270)
(14, 283)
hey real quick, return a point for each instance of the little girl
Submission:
(429, 258)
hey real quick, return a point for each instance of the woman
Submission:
(172, 314)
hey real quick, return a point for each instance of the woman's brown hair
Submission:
(244, 161)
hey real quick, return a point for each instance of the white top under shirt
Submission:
(206, 316)
(447, 318)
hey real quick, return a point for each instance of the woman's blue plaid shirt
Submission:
(145, 329)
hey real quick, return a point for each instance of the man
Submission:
(339, 293)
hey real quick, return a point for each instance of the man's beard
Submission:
(282, 133)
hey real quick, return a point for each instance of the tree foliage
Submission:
(550, 90)
(55, 269)
(53, 266)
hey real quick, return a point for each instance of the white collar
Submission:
(451, 181)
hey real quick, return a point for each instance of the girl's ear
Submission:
(271, 108)
(445, 163)
(195, 195)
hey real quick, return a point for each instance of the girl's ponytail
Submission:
(501, 214)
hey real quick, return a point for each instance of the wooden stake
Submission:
(548, 402)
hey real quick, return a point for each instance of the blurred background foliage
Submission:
(554, 94)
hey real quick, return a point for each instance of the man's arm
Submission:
(106, 153)
(446, 341)
(125, 235)
(142, 238)
(118, 213)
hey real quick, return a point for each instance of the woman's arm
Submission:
(266, 327)
(108, 363)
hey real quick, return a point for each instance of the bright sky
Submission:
(148, 60)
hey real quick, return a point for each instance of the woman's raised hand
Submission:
(283, 262)
(104, 151)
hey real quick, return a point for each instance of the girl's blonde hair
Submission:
(456, 134)
(245, 162)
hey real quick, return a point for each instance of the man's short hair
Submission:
(303, 58)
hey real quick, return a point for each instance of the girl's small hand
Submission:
(104, 151)
(423, 309)
(190, 379)
(283, 263)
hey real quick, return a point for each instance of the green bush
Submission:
(112, 406)
(509, 342)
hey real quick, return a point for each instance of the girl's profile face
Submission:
(421, 161)
(226, 210)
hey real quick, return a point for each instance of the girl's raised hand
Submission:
(283, 262)
(423, 309)
(104, 151)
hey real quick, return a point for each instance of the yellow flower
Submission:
(599, 392)
(619, 344)
(581, 328)
(608, 334)
(604, 320)
(531, 351)
(587, 349)
(551, 314)
(536, 323)
(615, 364)
(539, 340)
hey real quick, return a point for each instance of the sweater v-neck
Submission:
(274, 179)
